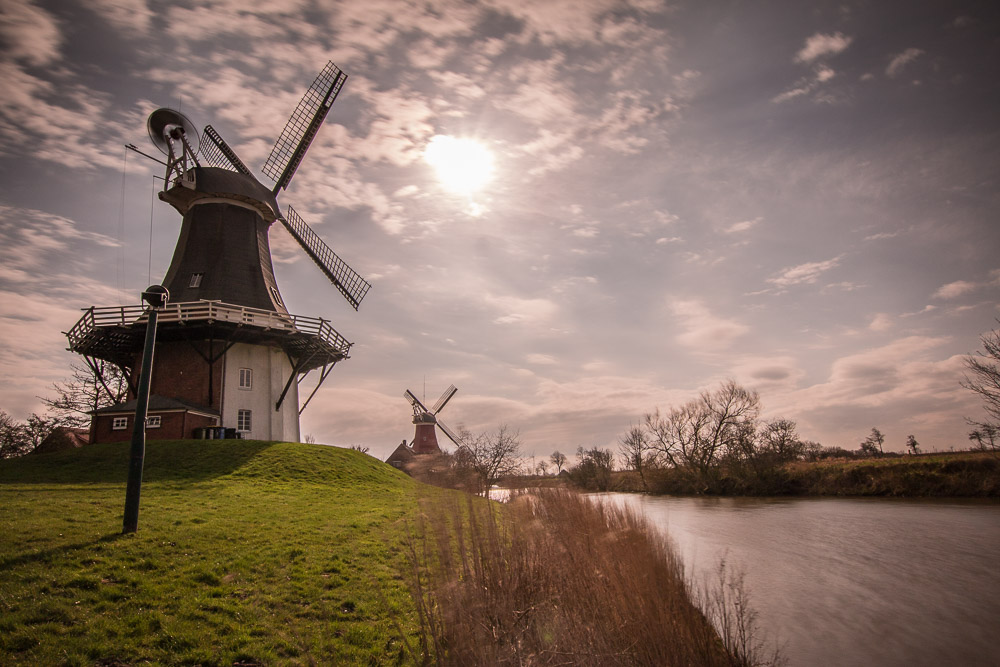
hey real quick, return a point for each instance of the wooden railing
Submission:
(205, 311)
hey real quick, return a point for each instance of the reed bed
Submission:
(553, 578)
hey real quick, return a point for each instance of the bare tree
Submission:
(872, 445)
(912, 444)
(17, 438)
(594, 469)
(637, 451)
(986, 437)
(698, 434)
(493, 455)
(87, 389)
(11, 436)
(781, 439)
(983, 377)
(558, 460)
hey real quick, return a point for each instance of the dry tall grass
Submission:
(553, 579)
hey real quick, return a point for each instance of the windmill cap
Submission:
(212, 183)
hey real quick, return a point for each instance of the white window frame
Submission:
(119, 423)
(244, 420)
(153, 421)
(246, 378)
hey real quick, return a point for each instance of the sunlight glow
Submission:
(462, 165)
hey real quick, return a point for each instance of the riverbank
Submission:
(951, 475)
(936, 475)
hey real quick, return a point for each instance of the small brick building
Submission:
(166, 419)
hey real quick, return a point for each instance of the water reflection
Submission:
(852, 581)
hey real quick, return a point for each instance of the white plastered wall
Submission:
(271, 370)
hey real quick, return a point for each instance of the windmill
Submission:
(229, 354)
(424, 436)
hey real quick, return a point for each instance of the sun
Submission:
(463, 166)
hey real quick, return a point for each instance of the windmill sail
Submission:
(448, 432)
(303, 126)
(216, 152)
(344, 278)
(445, 397)
(414, 401)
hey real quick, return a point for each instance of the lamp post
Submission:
(156, 296)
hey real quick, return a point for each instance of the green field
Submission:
(247, 553)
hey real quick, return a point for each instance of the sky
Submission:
(799, 196)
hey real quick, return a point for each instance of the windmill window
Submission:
(277, 297)
(153, 422)
(246, 378)
(243, 420)
(119, 424)
(196, 279)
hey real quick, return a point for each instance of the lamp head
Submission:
(156, 296)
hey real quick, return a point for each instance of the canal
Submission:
(851, 581)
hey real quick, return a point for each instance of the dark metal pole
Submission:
(157, 297)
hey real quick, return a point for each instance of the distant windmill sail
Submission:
(445, 397)
(302, 127)
(448, 432)
(344, 278)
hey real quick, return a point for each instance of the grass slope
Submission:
(247, 553)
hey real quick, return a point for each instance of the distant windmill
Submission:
(229, 351)
(424, 437)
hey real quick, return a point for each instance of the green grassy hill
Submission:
(247, 553)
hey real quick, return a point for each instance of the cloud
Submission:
(131, 17)
(903, 387)
(46, 268)
(807, 273)
(882, 235)
(954, 290)
(820, 45)
(791, 94)
(959, 288)
(30, 239)
(880, 322)
(901, 60)
(807, 85)
(702, 330)
(824, 73)
(742, 226)
(541, 359)
(768, 373)
(516, 310)
(29, 33)
(557, 21)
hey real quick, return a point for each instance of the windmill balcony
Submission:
(115, 333)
